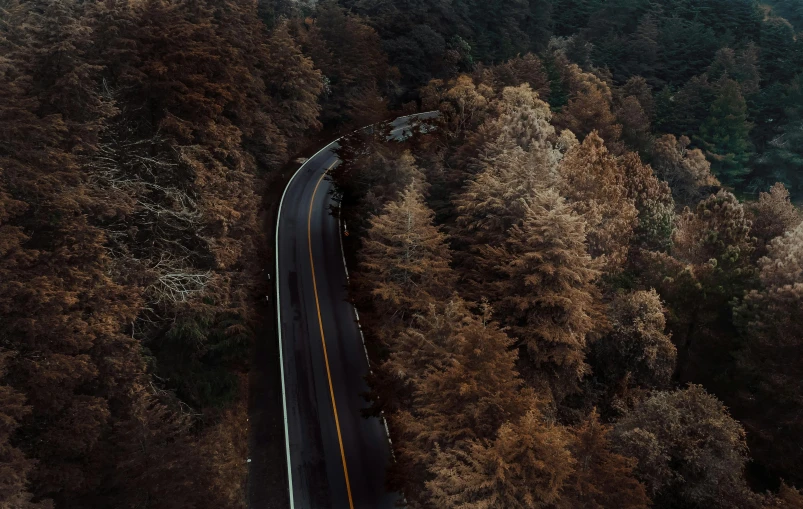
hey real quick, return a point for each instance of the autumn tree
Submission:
(589, 108)
(14, 466)
(348, 52)
(527, 69)
(602, 478)
(593, 182)
(526, 466)
(787, 498)
(772, 216)
(653, 201)
(687, 171)
(470, 389)
(463, 104)
(709, 266)
(634, 108)
(544, 289)
(689, 450)
(405, 258)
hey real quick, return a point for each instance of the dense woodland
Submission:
(582, 290)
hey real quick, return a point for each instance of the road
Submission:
(336, 458)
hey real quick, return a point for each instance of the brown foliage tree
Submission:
(709, 266)
(653, 201)
(544, 289)
(594, 183)
(14, 466)
(348, 52)
(590, 109)
(772, 216)
(520, 70)
(525, 467)
(469, 389)
(405, 259)
(601, 479)
(687, 172)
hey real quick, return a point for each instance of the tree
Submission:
(687, 171)
(544, 288)
(405, 259)
(526, 466)
(638, 351)
(465, 395)
(772, 216)
(594, 183)
(527, 69)
(15, 467)
(348, 52)
(724, 134)
(742, 67)
(787, 498)
(709, 267)
(653, 201)
(293, 85)
(783, 157)
(601, 479)
(689, 450)
(771, 317)
(589, 109)
(634, 107)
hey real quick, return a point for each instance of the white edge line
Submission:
(279, 320)
(279, 309)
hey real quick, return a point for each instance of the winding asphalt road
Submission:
(336, 458)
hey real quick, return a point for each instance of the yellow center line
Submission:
(323, 338)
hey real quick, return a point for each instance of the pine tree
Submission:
(589, 109)
(349, 53)
(594, 183)
(545, 290)
(15, 467)
(469, 389)
(710, 265)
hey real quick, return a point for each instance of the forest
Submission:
(583, 289)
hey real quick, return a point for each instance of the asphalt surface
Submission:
(337, 458)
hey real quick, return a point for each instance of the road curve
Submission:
(336, 458)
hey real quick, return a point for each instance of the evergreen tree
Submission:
(724, 134)
(772, 216)
(687, 171)
(653, 201)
